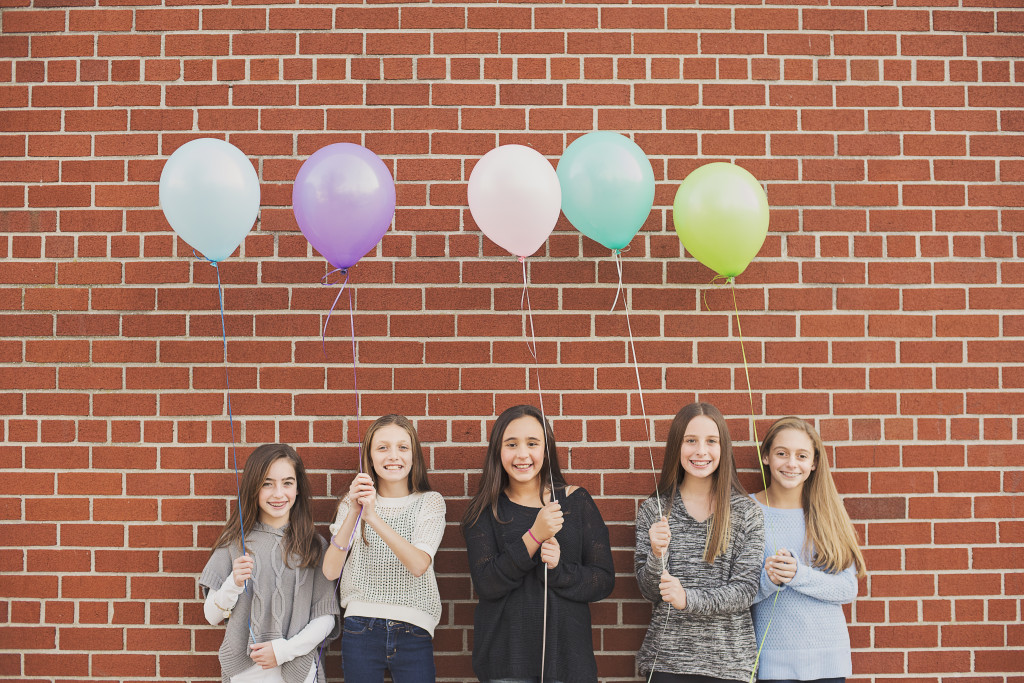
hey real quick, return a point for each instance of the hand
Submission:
(241, 569)
(660, 536)
(550, 552)
(263, 654)
(361, 494)
(672, 591)
(780, 567)
(548, 522)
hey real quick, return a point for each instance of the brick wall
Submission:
(885, 304)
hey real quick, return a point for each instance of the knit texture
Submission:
(374, 582)
(714, 635)
(808, 638)
(508, 623)
(278, 603)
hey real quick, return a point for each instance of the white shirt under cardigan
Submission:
(374, 582)
(807, 637)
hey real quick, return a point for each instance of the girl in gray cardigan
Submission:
(278, 604)
(698, 558)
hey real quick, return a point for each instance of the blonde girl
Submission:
(280, 609)
(515, 526)
(388, 589)
(811, 562)
(699, 563)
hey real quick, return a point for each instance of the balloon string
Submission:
(231, 421)
(524, 300)
(323, 332)
(636, 369)
(764, 480)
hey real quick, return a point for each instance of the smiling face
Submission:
(277, 494)
(391, 452)
(702, 447)
(522, 449)
(790, 459)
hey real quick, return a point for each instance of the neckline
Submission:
(538, 507)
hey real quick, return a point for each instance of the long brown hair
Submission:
(300, 538)
(830, 535)
(417, 473)
(495, 478)
(724, 480)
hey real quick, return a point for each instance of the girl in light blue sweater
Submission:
(811, 562)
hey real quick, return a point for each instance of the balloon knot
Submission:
(521, 259)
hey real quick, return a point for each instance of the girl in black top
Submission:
(514, 527)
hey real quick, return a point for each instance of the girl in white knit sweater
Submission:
(384, 537)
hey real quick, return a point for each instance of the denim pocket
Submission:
(418, 632)
(357, 625)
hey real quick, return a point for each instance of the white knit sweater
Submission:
(374, 582)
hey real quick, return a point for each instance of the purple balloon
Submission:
(343, 200)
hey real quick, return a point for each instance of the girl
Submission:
(698, 564)
(388, 589)
(510, 529)
(815, 564)
(278, 605)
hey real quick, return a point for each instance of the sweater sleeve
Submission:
(217, 601)
(593, 577)
(314, 633)
(648, 568)
(739, 591)
(766, 589)
(835, 589)
(496, 571)
(429, 528)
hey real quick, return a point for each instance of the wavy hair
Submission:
(830, 538)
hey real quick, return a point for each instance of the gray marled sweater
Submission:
(714, 635)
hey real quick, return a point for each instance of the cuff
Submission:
(282, 652)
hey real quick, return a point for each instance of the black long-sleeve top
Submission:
(508, 623)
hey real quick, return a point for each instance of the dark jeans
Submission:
(371, 646)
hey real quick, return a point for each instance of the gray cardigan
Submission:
(714, 635)
(278, 602)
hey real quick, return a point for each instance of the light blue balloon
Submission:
(607, 187)
(210, 195)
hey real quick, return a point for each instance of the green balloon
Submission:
(607, 187)
(721, 216)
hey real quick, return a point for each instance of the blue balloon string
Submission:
(231, 419)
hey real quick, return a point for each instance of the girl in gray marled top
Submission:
(699, 541)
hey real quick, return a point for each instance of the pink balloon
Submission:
(515, 198)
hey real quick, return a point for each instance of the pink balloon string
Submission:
(531, 345)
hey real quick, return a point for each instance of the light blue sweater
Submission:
(807, 638)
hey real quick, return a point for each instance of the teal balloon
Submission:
(607, 187)
(210, 195)
(721, 216)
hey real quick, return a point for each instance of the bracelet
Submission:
(344, 550)
(224, 611)
(530, 531)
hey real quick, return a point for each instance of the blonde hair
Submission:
(830, 535)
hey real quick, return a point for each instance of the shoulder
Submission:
(746, 507)
(432, 499)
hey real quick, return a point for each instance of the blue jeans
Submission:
(370, 646)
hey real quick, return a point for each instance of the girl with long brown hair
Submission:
(523, 524)
(263, 577)
(811, 562)
(386, 559)
(698, 563)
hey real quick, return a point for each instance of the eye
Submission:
(267, 484)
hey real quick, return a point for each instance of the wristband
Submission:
(344, 550)
(530, 531)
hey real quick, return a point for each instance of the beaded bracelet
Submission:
(344, 550)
